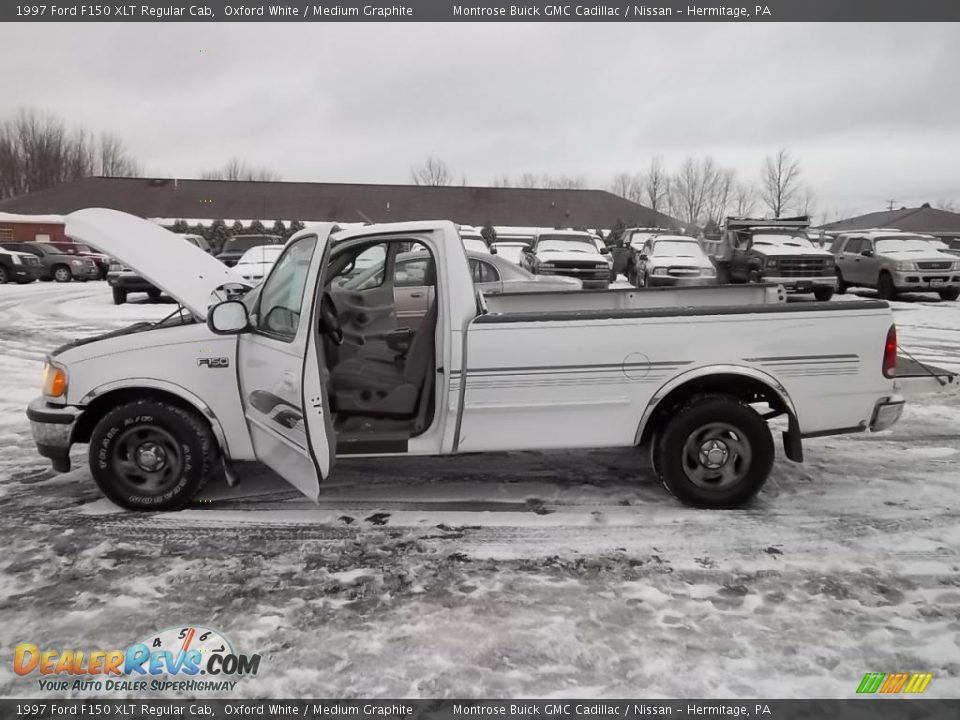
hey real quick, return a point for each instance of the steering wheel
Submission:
(330, 320)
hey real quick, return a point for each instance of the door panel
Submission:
(272, 364)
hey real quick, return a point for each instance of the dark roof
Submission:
(167, 198)
(920, 219)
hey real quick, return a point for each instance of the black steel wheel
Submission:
(3, 275)
(715, 452)
(151, 455)
(950, 294)
(842, 287)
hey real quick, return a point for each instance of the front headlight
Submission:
(54, 380)
(16, 259)
(660, 271)
(708, 272)
(903, 266)
(771, 263)
(956, 265)
(76, 262)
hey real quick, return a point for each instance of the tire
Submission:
(4, 278)
(153, 295)
(842, 287)
(132, 437)
(885, 287)
(119, 296)
(950, 294)
(641, 280)
(823, 294)
(62, 274)
(736, 433)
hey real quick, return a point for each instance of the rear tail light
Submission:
(890, 353)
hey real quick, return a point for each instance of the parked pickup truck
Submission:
(570, 253)
(764, 250)
(299, 369)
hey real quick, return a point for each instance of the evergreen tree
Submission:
(279, 229)
(180, 227)
(295, 227)
(257, 228)
(236, 228)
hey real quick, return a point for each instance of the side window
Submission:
(413, 273)
(483, 272)
(853, 246)
(366, 270)
(866, 244)
(282, 294)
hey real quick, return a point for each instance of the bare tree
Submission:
(626, 185)
(721, 193)
(433, 171)
(779, 181)
(744, 200)
(692, 190)
(238, 169)
(113, 160)
(947, 205)
(806, 202)
(656, 185)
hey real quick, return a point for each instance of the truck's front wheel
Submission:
(151, 455)
(715, 452)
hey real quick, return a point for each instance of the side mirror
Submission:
(604, 251)
(644, 256)
(493, 251)
(867, 253)
(228, 318)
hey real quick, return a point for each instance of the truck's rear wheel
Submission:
(151, 455)
(716, 452)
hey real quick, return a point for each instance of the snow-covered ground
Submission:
(522, 574)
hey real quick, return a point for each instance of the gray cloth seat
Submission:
(377, 387)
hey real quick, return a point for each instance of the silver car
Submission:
(413, 283)
(673, 260)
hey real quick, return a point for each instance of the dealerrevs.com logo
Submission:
(181, 659)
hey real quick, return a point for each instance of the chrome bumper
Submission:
(795, 283)
(926, 279)
(52, 428)
(886, 413)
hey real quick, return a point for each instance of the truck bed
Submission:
(636, 298)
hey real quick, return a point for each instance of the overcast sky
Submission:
(872, 110)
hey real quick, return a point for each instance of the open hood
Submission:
(176, 266)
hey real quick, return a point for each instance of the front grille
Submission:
(574, 265)
(684, 272)
(802, 267)
(939, 265)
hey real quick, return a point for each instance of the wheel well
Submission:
(100, 406)
(746, 389)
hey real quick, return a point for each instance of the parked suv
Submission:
(71, 248)
(893, 261)
(123, 280)
(235, 247)
(18, 267)
(55, 264)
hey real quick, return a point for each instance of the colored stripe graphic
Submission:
(892, 683)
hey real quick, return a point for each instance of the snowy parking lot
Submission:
(560, 574)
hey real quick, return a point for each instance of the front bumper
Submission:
(52, 428)
(931, 280)
(591, 277)
(85, 272)
(129, 281)
(886, 412)
(801, 284)
(24, 273)
(681, 281)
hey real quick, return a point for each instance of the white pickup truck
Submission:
(301, 369)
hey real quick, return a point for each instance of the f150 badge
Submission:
(213, 362)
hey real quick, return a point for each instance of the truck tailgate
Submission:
(914, 378)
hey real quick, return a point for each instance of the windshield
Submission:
(239, 244)
(677, 247)
(938, 245)
(904, 244)
(782, 240)
(51, 248)
(639, 238)
(584, 245)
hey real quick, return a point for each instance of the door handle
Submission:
(416, 295)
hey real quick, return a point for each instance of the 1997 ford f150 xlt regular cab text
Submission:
(306, 366)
